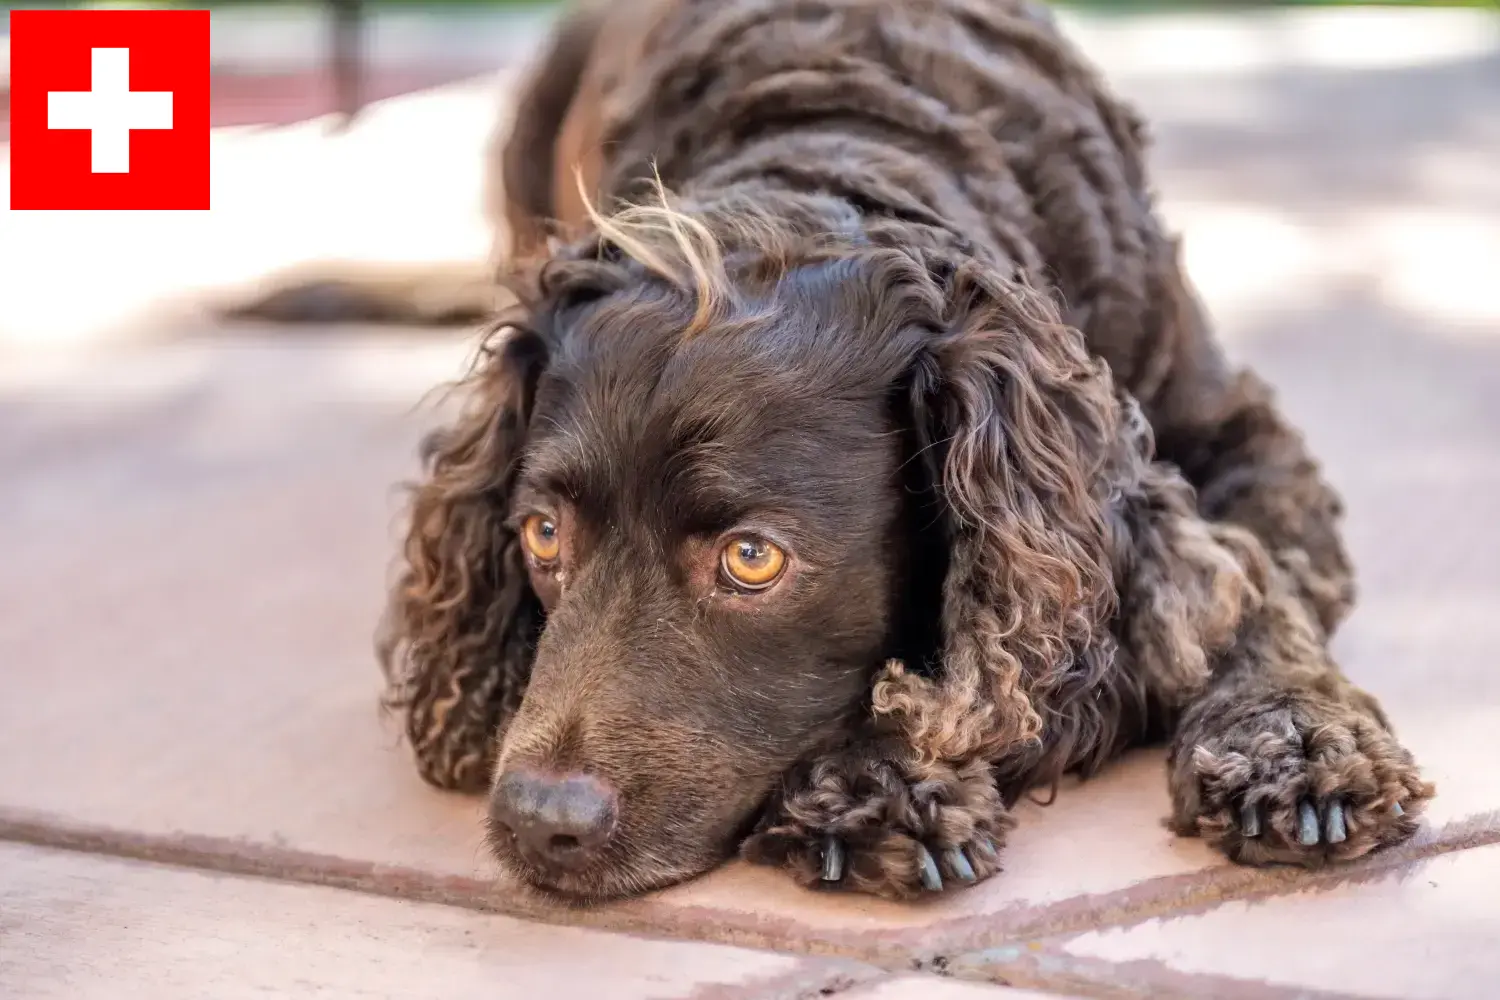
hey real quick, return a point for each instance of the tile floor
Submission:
(195, 528)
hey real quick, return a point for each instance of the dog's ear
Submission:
(462, 621)
(1018, 424)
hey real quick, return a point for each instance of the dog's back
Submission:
(969, 119)
(975, 117)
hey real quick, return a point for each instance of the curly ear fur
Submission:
(461, 625)
(1026, 422)
(1085, 597)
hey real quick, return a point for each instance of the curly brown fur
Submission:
(1279, 733)
(884, 806)
(910, 315)
(457, 640)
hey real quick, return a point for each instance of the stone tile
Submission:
(195, 535)
(79, 927)
(1426, 931)
(194, 568)
(933, 988)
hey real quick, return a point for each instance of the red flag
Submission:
(109, 109)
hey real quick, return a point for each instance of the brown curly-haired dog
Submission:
(884, 470)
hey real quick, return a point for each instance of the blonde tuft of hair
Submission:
(673, 245)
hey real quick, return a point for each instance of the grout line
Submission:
(810, 979)
(1033, 958)
(1043, 968)
(247, 858)
(1174, 896)
(1016, 945)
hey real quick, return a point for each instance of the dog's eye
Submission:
(752, 563)
(541, 538)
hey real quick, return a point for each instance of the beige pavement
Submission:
(195, 528)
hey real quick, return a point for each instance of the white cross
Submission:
(110, 110)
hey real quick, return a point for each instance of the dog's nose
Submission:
(563, 819)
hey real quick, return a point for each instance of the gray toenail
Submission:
(1307, 824)
(931, 879)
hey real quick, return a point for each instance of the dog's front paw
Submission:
(857, 821)
(1303, 781)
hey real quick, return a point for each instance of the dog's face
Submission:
(692, 534)
(721, 528)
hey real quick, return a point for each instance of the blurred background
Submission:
(197, 516)
(1312, 130)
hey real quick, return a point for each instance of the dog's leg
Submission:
(1249, 464)
(1282, 758)
(1252, 468)
(868, 815)
(1277, 757)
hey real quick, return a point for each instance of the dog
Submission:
(855, 458)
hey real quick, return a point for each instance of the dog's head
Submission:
(698, 501)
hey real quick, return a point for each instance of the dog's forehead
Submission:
(740, 382)
(762, 408)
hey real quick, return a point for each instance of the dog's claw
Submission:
(1333, 825)
(959, 862)
(833, 859)
(932, 881)
(1396, 810)
(1307, 824)
(1250, 821)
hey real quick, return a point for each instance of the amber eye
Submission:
(752, 563)
(542, 539)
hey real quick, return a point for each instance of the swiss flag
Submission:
(109, 109)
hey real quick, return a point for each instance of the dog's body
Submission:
(1008, 543)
